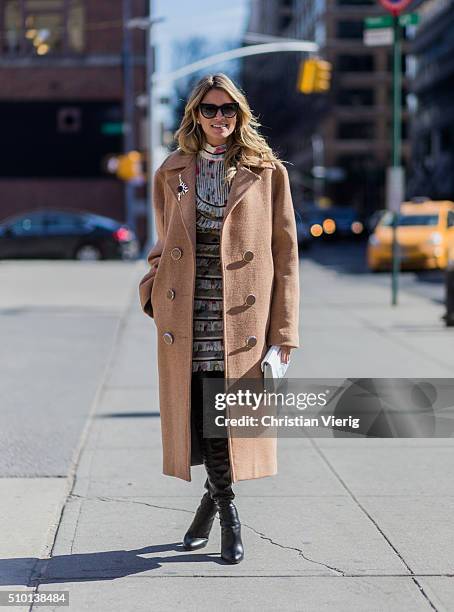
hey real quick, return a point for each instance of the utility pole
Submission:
(128, 110)
(395, 177)
(397, 169)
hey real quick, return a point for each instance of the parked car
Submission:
(425, 235)
(302, 230)
(373, 220)
(335, 222)
(53, 233)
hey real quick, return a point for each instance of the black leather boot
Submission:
(232, 550)
(217, 464)
(198, 533)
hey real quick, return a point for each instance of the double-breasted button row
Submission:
(248, 255)
(251, 341)
(168, 337)
(250, 299)
(176, 253)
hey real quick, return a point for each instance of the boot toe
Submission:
(194, 543)
(233, 557)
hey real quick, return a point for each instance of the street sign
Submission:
(409, 19)
(386, 21)
(112, 128)
(395, 7)
(378, 37)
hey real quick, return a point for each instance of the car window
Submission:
(105, 222)
(63, 223)
(28, 225)
(409, 220)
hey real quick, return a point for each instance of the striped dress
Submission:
(211, 199)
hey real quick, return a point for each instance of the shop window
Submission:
(355, 131)
(350, 29)
(43, 27)
(356, 97)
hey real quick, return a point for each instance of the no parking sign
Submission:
(395, 6)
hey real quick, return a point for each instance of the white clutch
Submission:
(273, 369)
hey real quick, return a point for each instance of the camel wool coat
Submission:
(260, 268)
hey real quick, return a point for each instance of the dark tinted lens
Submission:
(229, 110)
(208, 110)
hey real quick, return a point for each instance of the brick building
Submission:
(62, 86)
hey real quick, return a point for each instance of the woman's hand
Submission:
(284, 352)
(154, 269)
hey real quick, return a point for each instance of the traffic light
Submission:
(129, 166)
(314, 76)
(322, 76)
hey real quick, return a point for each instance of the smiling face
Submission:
(218, 129)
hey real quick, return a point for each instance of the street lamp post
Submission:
(147, 23)
(154, 79)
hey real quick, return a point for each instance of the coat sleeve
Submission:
(154, 255)
(284, 313)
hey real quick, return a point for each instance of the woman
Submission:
(223, 287)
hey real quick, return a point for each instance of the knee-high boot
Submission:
(198, 532)
(217, 464)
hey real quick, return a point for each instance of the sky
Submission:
(185, 19)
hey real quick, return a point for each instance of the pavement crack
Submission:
(130, 501)
(298, 550)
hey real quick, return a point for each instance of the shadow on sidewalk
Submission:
(109, 565)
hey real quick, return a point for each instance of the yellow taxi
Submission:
(425, 236)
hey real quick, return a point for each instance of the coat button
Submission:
(168, 338)
(170, 294)
(250, 299)
(251, 341)
(248, 255)
(176, 253)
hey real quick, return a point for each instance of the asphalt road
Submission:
(58, 322)
(349, 258)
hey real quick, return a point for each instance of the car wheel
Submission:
(88, 252)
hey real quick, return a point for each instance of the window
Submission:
(61, 142)
(63, 223)
(390, 62)
(356, 97)
(356, 63)
(447, 138)
(450, 218)
(409, 220)
(28, 225)
(349, 29)
(43, 27)
(403, 128)
(356, 131)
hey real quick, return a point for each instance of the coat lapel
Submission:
(183, 168)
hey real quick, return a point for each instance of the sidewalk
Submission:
(346, 524)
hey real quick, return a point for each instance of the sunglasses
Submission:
(228, 110)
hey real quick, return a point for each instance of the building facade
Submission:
(347, 131)
(62, 92)
(432, 88)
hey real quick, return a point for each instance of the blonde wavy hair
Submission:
(245, 145)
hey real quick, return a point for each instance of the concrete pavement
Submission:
(346, 524)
